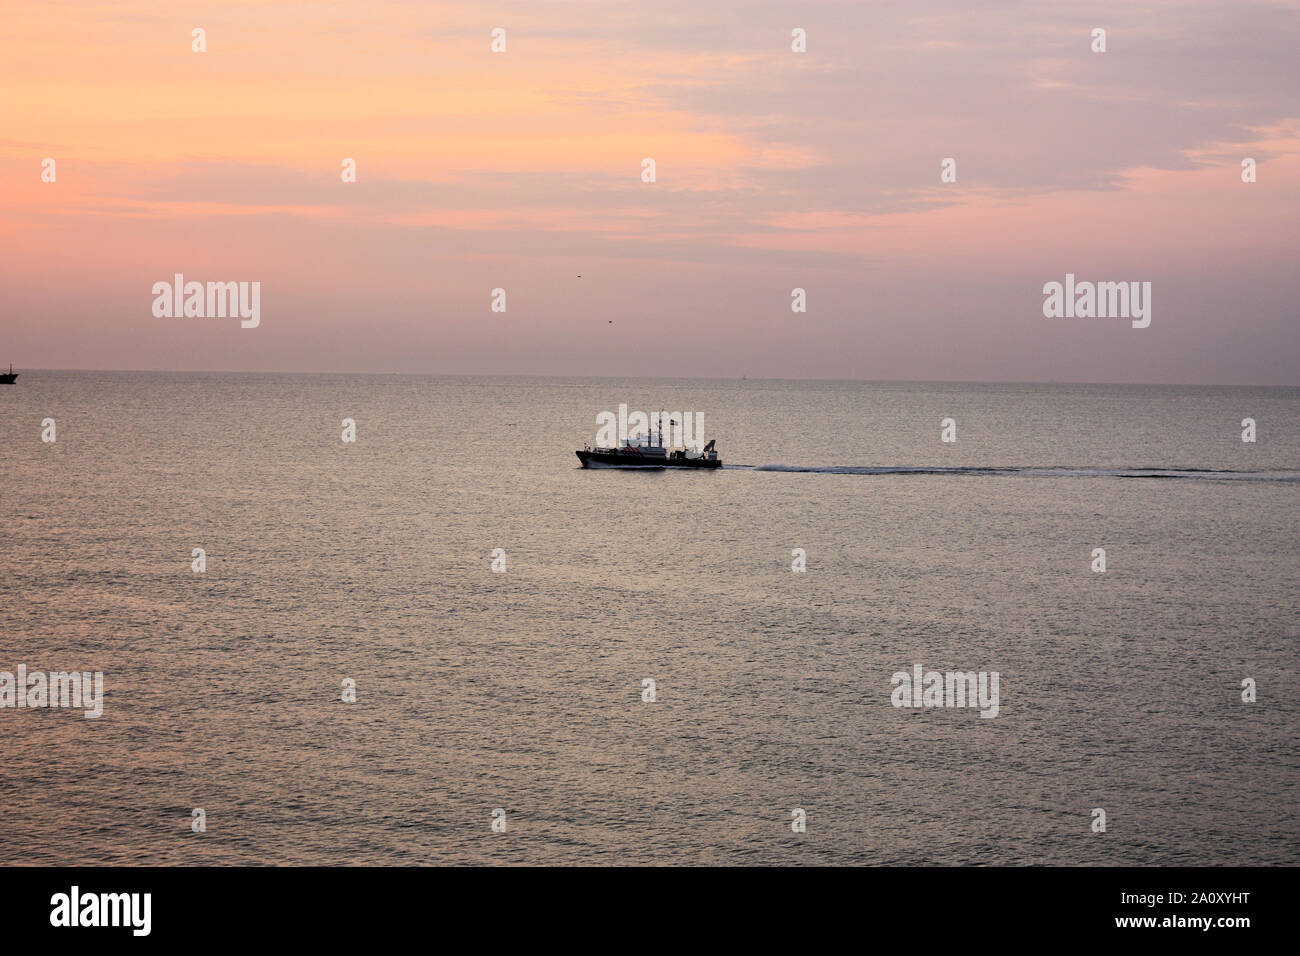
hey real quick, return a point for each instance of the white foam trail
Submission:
(1204, 474)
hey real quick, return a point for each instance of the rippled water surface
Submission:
(476, 690)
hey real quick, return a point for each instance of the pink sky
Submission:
(775, 170)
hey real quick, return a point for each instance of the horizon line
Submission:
(675, 378)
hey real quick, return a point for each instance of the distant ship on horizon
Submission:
(7, 378)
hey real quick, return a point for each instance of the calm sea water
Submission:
(523, 690)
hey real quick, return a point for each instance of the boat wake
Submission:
(1202, 474)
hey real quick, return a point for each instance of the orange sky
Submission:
(775, 170)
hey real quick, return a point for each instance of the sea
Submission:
(445, 642)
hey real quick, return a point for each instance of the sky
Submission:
(774, 170)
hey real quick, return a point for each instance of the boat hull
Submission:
(609, 459)
(7, 378)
